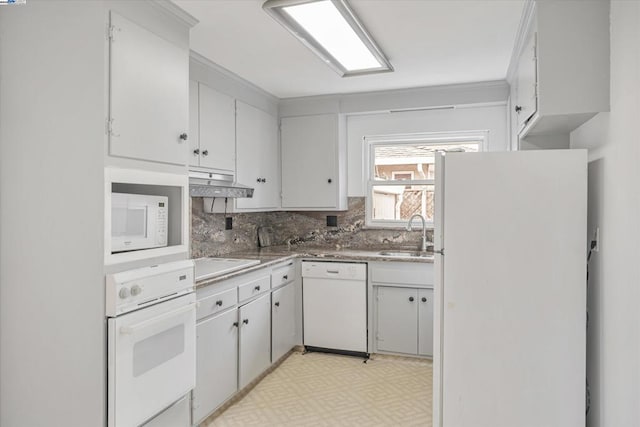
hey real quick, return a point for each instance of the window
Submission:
(401, 174)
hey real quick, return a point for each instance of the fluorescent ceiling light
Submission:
(331, 30)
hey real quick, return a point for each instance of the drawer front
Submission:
(255, 287)
(215, 303)
(283, 275)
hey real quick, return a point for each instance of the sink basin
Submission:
(405, 254)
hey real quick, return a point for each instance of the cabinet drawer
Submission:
(254, 287)
(215, 303)
(283, 275)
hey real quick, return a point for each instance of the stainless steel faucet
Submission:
(424, 229)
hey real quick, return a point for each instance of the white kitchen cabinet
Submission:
(402, 307)
(313, 162)
(149, 95)
(397, 324)
(283, 329)
(215, 144)
(425, 322)
(255, 339)
(561, 70)
(257, 157)
(216, 363)
(526, 93)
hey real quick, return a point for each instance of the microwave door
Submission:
(129, 228)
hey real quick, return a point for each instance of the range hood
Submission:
(210, 184)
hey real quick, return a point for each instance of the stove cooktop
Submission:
(208, 268)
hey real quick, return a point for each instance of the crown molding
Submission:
(175, 11)
(526, 20)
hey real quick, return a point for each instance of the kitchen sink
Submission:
(405, 254)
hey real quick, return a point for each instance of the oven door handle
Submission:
(132, 329)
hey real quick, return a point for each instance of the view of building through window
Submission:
(402, 178)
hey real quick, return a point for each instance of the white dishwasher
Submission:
(334, 306)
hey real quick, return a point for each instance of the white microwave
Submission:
(138, 221)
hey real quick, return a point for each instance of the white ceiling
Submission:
(429, 43)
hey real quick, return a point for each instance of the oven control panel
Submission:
(133, 289)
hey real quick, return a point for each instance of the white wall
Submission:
(492, 118)
(613, 356)
(52, 339)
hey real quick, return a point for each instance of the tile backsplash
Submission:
(209, 237)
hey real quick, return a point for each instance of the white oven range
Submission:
(151, 321)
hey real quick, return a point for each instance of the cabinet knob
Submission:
(205, 153)
(183, 136)
(329, 180)
(424, 299)
(257, 288)
(277, 304)
(219, 303)
(258, 180)
(263, 180)
(196, 151)
(235, 324)
(410, 299)
(518, 108)
(285, 277)
(245, 321)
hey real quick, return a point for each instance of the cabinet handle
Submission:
(329, 180)
(424, 299)
(285, 277)
(235, 324)
(277, 304)
(518, 108)
(205, 153)
(183, 136)
(245, 321)
(257, 288)
(196, 151)
(410, 299)
(219, 303)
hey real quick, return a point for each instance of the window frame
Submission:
(431, 138)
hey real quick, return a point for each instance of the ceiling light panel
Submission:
(331, 30)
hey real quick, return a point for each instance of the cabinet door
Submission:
(309, 161)
(194, 124)
(397, 320)
(425, 322)
(149, 95)
(255, 339)
(217, 130)
(283, 328)
(216, 363)
(526, 91)
(257, 148)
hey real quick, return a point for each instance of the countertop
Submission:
(277, 254)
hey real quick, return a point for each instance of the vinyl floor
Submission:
(317, 389)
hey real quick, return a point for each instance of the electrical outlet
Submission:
(596, 238)
(228, 223)
(332, 220)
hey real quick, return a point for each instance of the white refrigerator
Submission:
(510, 295)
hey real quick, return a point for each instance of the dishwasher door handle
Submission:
(333, 271)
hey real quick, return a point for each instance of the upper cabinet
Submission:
(313, 162)
(212, 143)
(149, 95)
(257, 161)
(560, 70)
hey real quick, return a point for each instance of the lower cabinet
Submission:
(283, 329)
(404, 320)
(425, 322)
(216, 363)
(255, 339)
